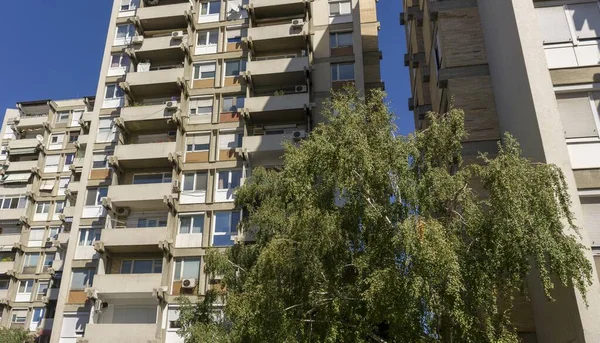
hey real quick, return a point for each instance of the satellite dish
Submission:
(40, 138)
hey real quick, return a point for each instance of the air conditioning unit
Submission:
(137, 39)
(299, 134)
(123, 211)
(300, 89)
(297, 22)
(188, 283)
(176, 186)
(177, 34)
(151, 2)
(171, 104)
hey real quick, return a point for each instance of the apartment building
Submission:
(531, 68)
(42, 144)
(141, 179)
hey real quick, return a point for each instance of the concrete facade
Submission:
(508, 65)
(191, 96)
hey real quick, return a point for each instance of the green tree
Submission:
(16, 336)
(364, 235)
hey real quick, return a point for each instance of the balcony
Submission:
(138, 197)
(159, 49)
(146, 117)
(11, 214)
(265, 150)
(82, 141)
(281, 71)
(33, 122)
(6, 266)
(74, 187)
(23, 146)
(282, 37)
(153, 83)
(277, 8)
(144, 155)
(7, 240)
(133, 239)
(123, 333)
(164, 17)
(22, 166)
(114, 286)
(282, 108)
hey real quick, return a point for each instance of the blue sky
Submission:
(53, 50)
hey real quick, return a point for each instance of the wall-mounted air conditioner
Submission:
(188, 283)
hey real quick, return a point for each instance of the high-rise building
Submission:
(42, 144)
(531, 68)
(130, 191)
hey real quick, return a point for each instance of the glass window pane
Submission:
(201, 181)
(202, 38)
(198, 226)
(344, 39)
(223, 180)
(142, 267)
(185, 224)
(236, 177)
(177, 270)
(126, 267)
(222, 222)
(191, 268)
(188, 182)
(215, 7)
(346, 71)
(157, 266)
(334, 72)
(213, 37)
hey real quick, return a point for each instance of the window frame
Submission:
(339, 13)
(208, 5)
(336, 67)
(334, 36)
(85, 234)
(194, 146)
(232, 230)
(60, 119)
(209, 34)
(200, 65)
(195, 182)
(155, 262)
(241, 66)
(192, 221)
(98, 198)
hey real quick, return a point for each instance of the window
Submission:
(4, 284)
(63, 183)
(82, 278)
(87, 237)
(191, 224)
(77, 114)
(129, 5)
(340, 40)
(36, 317)
(337, 7)
(42, 207)
(235, 9)
(62, 117)
(124, 32)
(36, 236)
(201, 107)
(48, 259)
(99, 161)
(212, 7)
(141, 179)
(229, 179)
(187, 268)
(118, 61)
(204, 71)
(31, 262)
(106, 130)
(56, 141)
(152, 222)
(198, 143)
(59, 207)
(208, 38)
(42, 290)
(18, 316)
(25, 286)
(230, 140)
(73, 137)
(69, 159)
(342, 72)
(13, 201)
(225, 227)
(195, 182)
(51, 163)
(141, 266)
(95, 196)
(173, 318)
(235, 67)
(579, 113)
(235, 35)
(113, 91)
(233, 103)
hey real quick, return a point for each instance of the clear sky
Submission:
(52, 49)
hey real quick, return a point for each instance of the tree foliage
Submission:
(16, 335)
(363, 235)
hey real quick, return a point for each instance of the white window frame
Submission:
(195, 102)
(115, 93)
(97, 200)
(209, 5)
(195, 176)
(182, 266)
(56, 141)
(187, 145)
(211, 65)
(342, 11)
(87, 233)
(228, 193)
(231, 228)
(209, 35)
(334, 37)
(242, 65)
(192, 217)
(8, 199)
(167, 177)
(42, 207)
(25, 282)
(60, 117)
(15, 318)
(126, 38)
(593, 96)
(336, 66)
(129, 5)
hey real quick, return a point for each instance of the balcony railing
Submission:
(164, 17)
(102, 333)
(126, 285)
(138, 239)
(140, 196)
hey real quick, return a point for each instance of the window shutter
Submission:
(586, 18)
(198, 139)
(75, 118)
(576, 115)
(52, 160)
(226, 141)
(553, 24)
(591, 218)
(233, 33)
